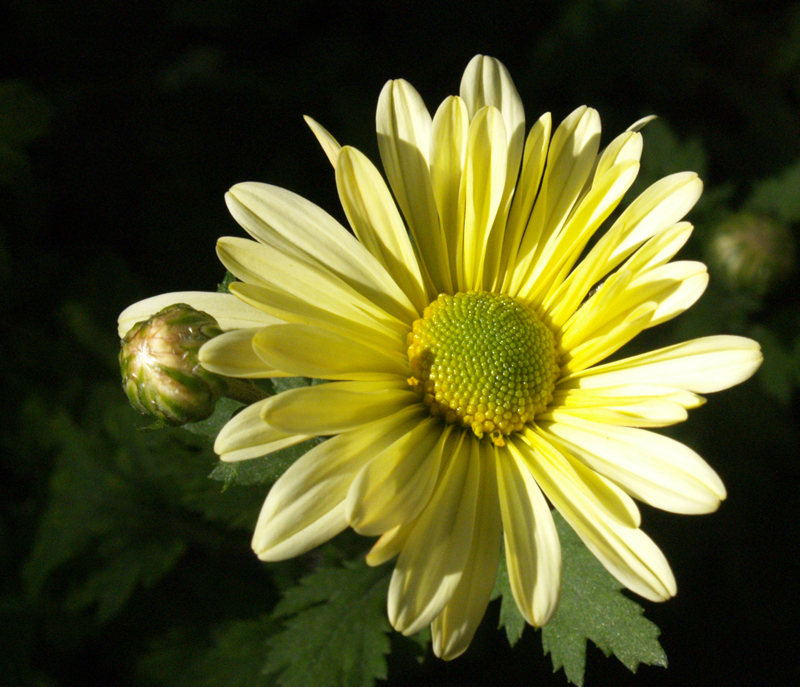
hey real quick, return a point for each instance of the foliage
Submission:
(592, 608)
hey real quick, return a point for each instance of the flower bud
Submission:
(161, 372)
(751, 253)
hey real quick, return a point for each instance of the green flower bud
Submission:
(751, 253)
(161, 372)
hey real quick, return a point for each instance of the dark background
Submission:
(125, 123)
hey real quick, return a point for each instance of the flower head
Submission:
(466, 387)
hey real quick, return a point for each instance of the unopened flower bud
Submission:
(751, 253)
(161, 372)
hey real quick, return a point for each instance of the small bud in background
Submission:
(751, 253)
(161, 371)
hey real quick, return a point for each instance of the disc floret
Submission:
(483, 360)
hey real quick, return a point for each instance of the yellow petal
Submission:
(655, 469)
(287, 280)
(563, 250)
(702, 365)
(226, 309)
(232, 355)
(570, 160)
(247, 436)
(482, 186)
(607, 339)
(330, 145)
(448, 155)
(337, 407)
(374, 329)
(455, 626)
(298, 228)
(434, 556)
(305, 507)
(533, 552)
(308, 351)
(626, 552)
(663, 204)
(487, 83)
(396, 485)
(533, 163)
(404, 141)
(674, 288)
(377, 223)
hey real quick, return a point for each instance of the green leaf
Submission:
(233, 656)
(264, 470)
(592, 607)
(211, 426)
(334, 629)
(124, 504)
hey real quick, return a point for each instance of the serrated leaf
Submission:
(592, 607)
(119, 513)
(233, 657)
(264, 470)
(334, 629)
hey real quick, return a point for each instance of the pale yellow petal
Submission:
(232, 355)
(607, 339)
(448, 155)
(434, 556)
(626, 552)
(404, 140)
(226, 309)
(570, 160)
(655, 469)
(325, 312)
(336, 407)
(287, 281)
(330, 146)
(632, 405)
(533, 551)
(482, 186)
(307, 351)
(627, 146)
(533, 163)
(660, 249)
(247, 436)
(674, 288)
(663, 204)
(614, 503)
(655, 252)
(298, 228)
(454, 628)
(642, 413)
(306, 506)
(394, 487)
(390, 544)
(560, 254)
(702, 365)
(568, 396)
(377, 223)
(486, 82)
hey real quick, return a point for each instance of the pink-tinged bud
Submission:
(161, 372)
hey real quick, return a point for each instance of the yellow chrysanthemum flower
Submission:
(464, 387)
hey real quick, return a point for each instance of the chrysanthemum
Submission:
(465, 391)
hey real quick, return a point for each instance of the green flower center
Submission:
(483, 360)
